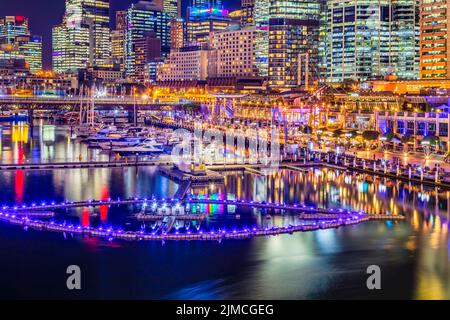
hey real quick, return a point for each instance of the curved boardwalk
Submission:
(324, 219)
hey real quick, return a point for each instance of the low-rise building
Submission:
(188, 64)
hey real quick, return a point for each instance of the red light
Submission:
(20, 19)
(85, 220)
(104, 208)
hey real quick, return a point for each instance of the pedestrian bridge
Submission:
(46, 103)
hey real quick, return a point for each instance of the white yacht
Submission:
(149, 146)
(120, 143)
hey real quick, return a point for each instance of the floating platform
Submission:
(157, 217)
(196, 180)
(81, 165)
(332, 218)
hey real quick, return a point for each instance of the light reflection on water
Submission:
(414, 255)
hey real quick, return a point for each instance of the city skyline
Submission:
(46, 14)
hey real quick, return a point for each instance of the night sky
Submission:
(44, 14)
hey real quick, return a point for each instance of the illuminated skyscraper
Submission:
(172, 7)
(176, 34)
(18, 42)
(406, 17)
(233, 54)
(323, 25)
(11, 27)
(118, 40)
(87, 39)
(369, 39)
(121, 20)
(434, 40)
(202, 21)
(247, 7)
(261, 22)
(293, 42)
(147, 50)
(59, 44)
(143, 17)
(261, 13)
(207, 3)
(31, 49)
(118, 48)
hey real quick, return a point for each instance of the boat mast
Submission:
(81, 105)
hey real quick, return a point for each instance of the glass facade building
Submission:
(434, 41)
(406, 15)
(142, 18)
(172, 7)
(247, 7)
(31, 49)
(293, 42)
(207, 3)
(59, 45)
(202, 21)
(18, 43)
(261, 22)
(83, 39)
(370, 39)
(11, 27)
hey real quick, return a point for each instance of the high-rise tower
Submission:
(84, 35)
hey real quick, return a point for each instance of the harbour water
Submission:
(413, 254)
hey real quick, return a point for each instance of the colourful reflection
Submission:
(20, 133)
(85, 217)
(104, 209)
(19, 176)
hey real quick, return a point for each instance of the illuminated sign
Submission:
(209, 11)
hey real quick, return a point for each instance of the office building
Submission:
(118, 37)
(233, 54)
(434, 40)
(177, 32)
(147, 49)
(202, 21)
(293, 42)
(30, 47)
(372, 39)
(247, 7)
(144, 17)
(18, 42)
(187, 65)
(83, 39)
(11, 27)
(173, 8)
